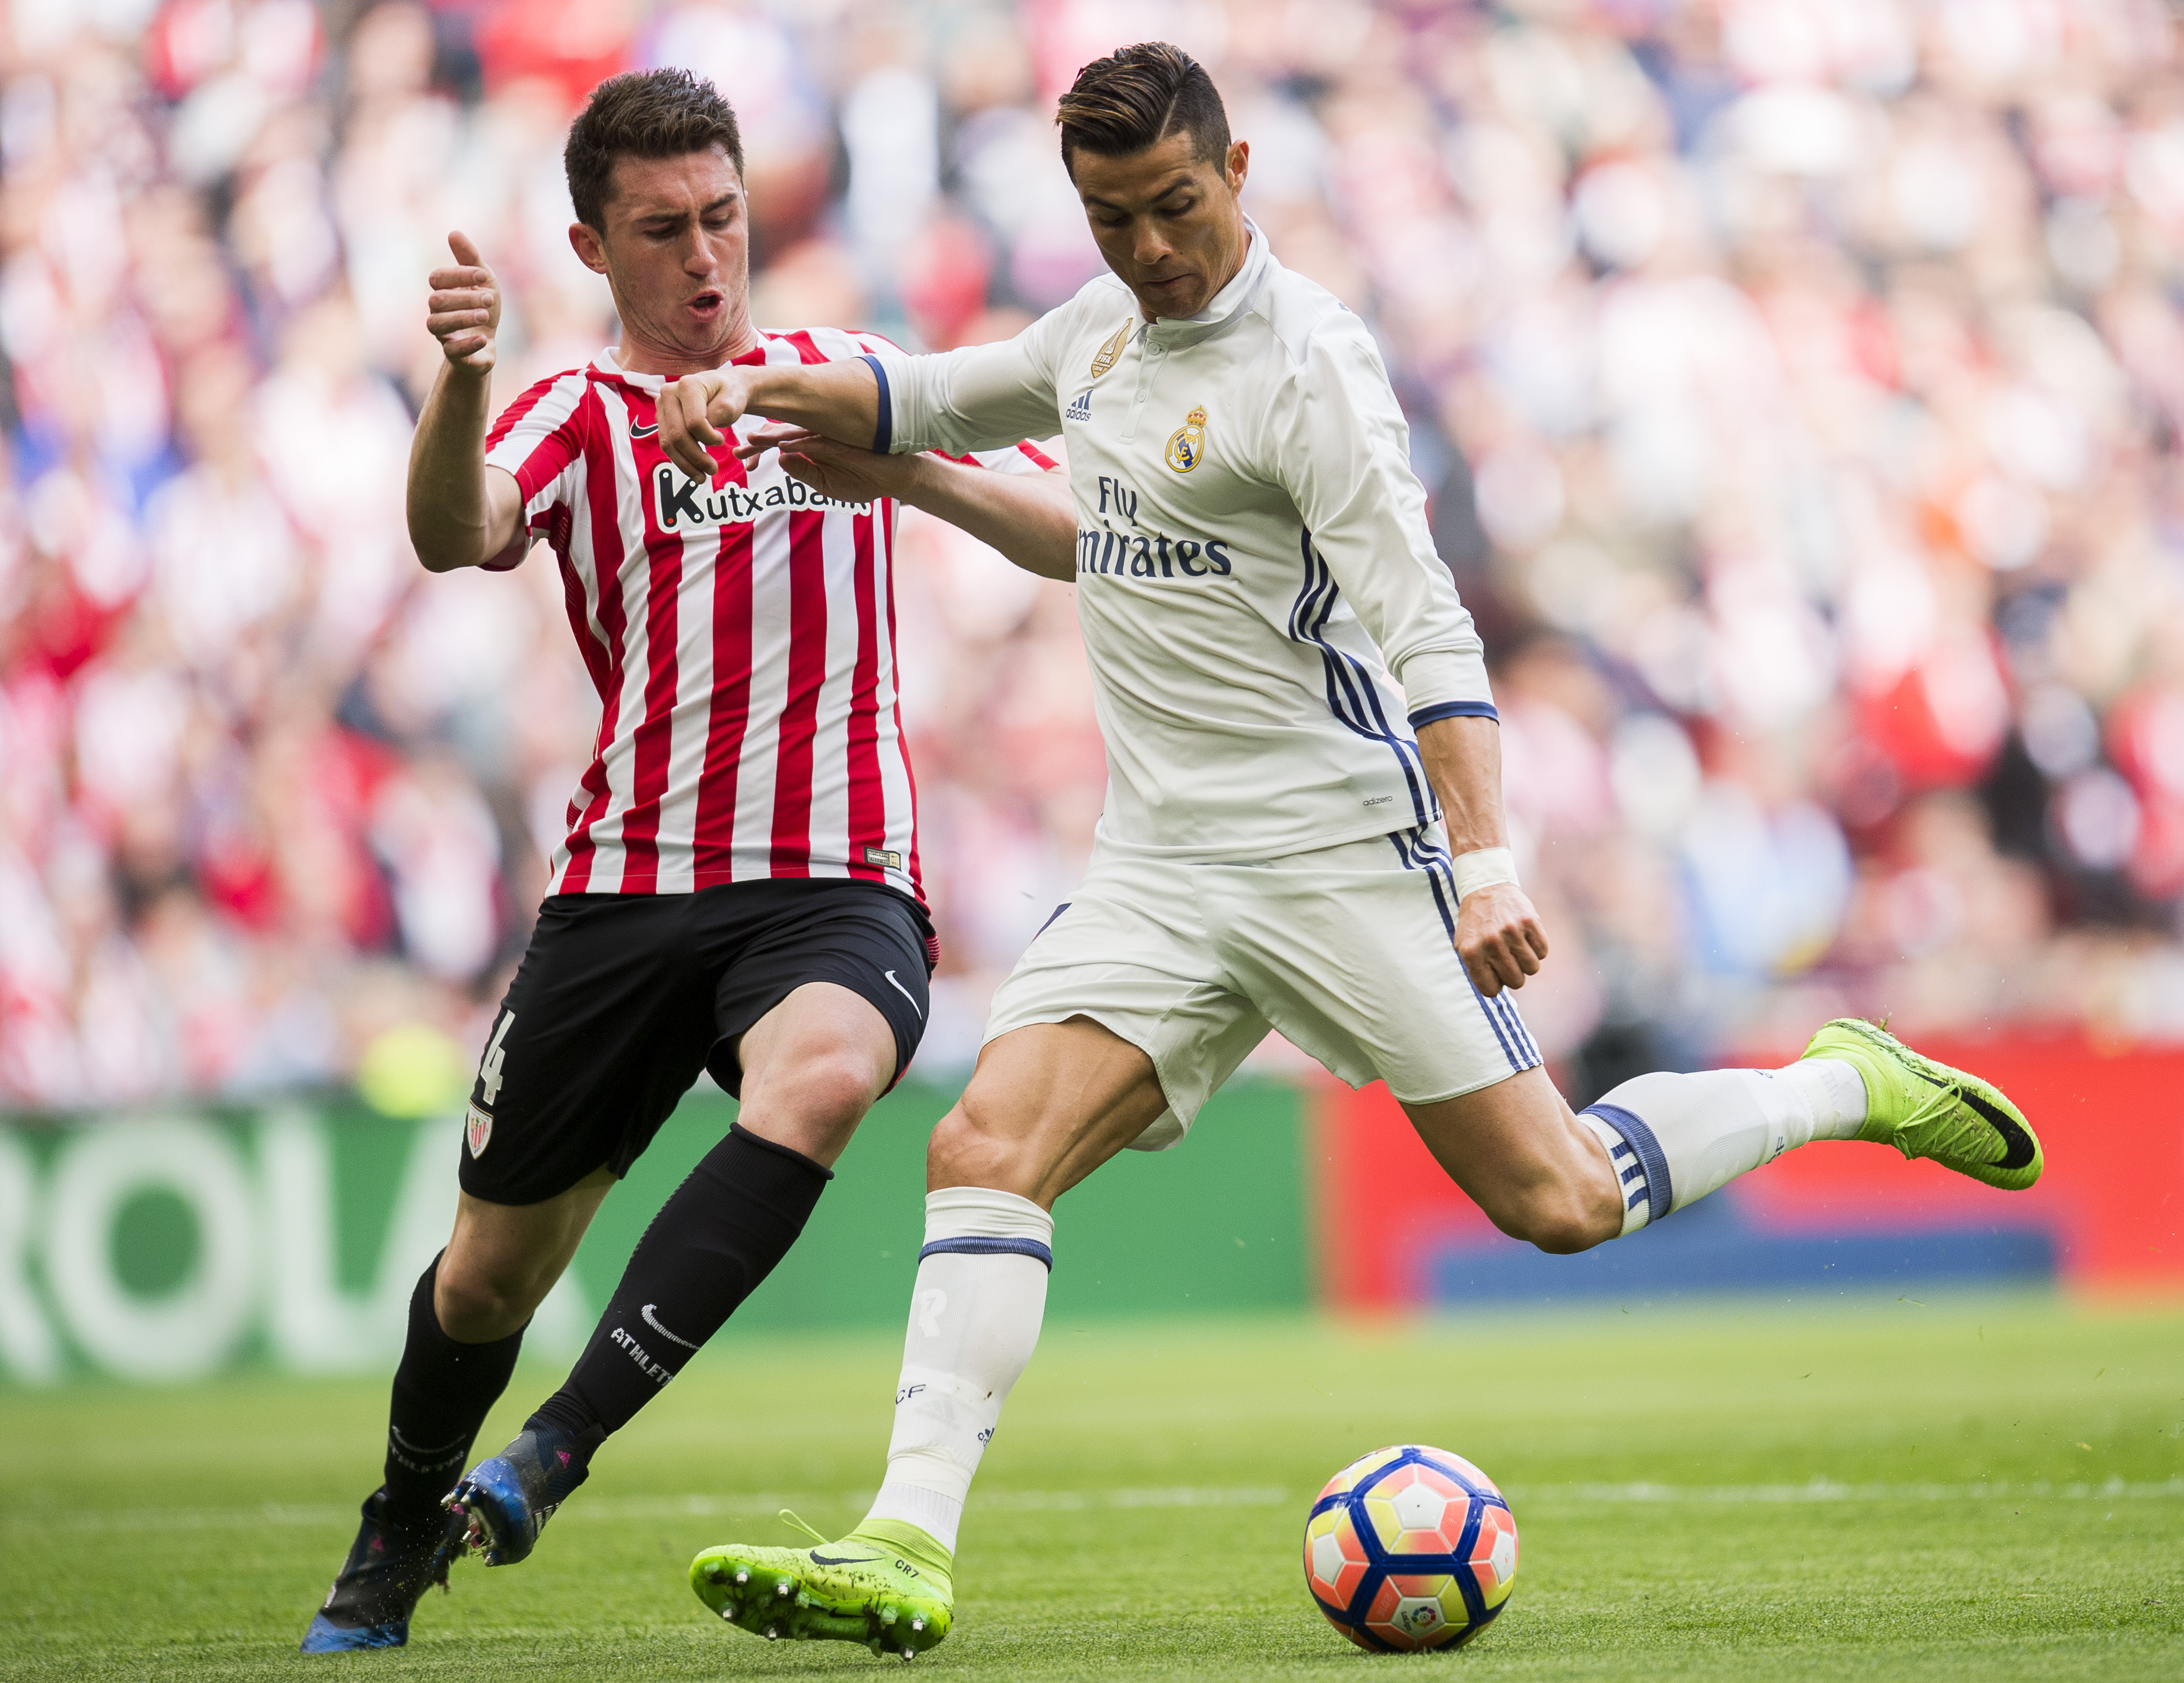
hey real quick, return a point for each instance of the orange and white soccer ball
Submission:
(1409, 1548)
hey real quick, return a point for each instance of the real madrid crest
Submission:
(1187, 443)
(1104, 357)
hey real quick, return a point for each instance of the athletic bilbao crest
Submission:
(1187, 443)
(479, 1130)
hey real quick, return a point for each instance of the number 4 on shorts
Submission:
(489, 1070)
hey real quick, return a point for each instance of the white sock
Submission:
(974, 1318)
(1673, 1139)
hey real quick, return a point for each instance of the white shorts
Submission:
(1349, 950)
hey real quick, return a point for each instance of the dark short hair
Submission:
(1139, 97)
(643, 113)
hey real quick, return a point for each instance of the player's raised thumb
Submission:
(459, 242)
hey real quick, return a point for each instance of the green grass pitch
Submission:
(1878, 1488)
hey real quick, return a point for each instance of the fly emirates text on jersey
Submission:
(1142, 554)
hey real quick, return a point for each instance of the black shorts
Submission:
(622, 998)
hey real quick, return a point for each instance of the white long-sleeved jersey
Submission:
(1252, 542)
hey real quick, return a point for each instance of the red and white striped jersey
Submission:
(741, 636)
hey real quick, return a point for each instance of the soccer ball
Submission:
(1410, 1548)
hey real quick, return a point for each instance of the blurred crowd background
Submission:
(1798, 383)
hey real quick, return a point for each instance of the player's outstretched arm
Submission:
(838, 400)
(462, 514)
(1497, 932)
(979, 398)
(1030, 518)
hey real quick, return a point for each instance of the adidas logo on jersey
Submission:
(1080, 406)
(679, 502)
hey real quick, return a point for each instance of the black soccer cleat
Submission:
(390, 1566)
(504, 1503)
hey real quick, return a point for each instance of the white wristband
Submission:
(1482, 869)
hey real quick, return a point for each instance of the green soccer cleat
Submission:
(1927, 1109)
(885, 1585)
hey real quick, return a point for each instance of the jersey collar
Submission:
(606, 368)
(1228, 306)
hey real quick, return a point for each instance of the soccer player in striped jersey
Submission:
(1290, 839)
(738, 888)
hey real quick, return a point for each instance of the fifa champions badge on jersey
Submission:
(1187, 443)
(1104, 357)
(477, 1129)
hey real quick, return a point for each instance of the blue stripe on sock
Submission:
(1659, 1193)
(975, 1245)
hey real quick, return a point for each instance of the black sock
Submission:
(443, 1390)
(709, 1248)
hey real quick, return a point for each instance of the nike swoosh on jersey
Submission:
(637, 432)
(906, 993)
(819, 1559)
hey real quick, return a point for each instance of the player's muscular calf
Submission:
(503, 1259)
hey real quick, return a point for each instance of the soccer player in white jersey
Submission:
(738, 888)
(1303, 826)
